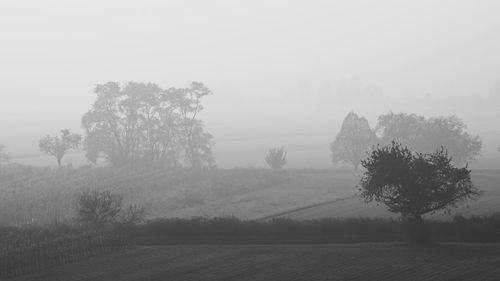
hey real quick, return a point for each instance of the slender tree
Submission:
(58, 146)
(414, 184)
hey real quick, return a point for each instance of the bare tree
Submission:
(60, 145)
(276, 158)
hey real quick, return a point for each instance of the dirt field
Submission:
(303, 262)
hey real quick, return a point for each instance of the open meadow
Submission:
(31, 195)
(488, 182)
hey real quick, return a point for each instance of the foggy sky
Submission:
(251, 54)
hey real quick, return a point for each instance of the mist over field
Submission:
(306, 129)
(282, 72)
(255, 140)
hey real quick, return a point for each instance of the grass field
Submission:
(291, 262)
(42, 196)
(353, 206)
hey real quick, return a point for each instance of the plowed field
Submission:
(290, 262)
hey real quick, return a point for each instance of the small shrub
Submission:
(96, 208)
(276, 158)
(133, 214)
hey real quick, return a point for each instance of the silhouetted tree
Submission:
(428, 135)
(141, 122)
(353, 141)
(414, 184)
(276, 158)
(59, 146)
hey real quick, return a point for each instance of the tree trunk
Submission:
(415, 229)
(59, 162)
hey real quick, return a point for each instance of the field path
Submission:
(286, 262)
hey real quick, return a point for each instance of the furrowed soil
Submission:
(373, 261)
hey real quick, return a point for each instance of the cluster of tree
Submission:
(135, 123)
(418, 133)
(141, 122)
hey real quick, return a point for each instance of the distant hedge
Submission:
(234, 230)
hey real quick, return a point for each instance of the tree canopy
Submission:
(353, 141)
(428, 135)
(58, 146)
(414, 184)
(141, 122)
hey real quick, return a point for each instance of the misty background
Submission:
(282, 72)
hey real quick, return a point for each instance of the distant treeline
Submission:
(420, 134)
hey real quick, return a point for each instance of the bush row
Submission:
(460, 229)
